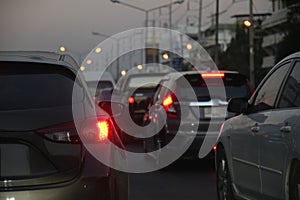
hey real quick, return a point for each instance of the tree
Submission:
(236, 57)
(291, 41)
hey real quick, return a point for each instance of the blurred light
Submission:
(98, 50)
(103, 130)
(247, 23)
(123, 72)
(140, 67)
(215, 148)
(62, 49)
(82, 68)
(165, 56)
(89, 61)
(213, 75)
(131, 100)
(189, 46)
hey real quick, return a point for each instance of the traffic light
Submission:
(247, 23)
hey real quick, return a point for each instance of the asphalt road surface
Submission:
(184, 180)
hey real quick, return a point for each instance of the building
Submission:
(273, 28)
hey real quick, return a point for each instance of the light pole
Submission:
(251, 45)
(217, 34)
(118, 51)
(149, 10)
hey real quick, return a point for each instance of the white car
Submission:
(258, 152)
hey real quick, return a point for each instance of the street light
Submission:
(149, 10)
(247, 23)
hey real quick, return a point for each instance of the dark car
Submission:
(136, 91)
(205, 110)
(43, 154)
(258, 152)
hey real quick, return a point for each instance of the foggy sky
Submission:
(46, 24)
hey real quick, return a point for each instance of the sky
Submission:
(47, 24)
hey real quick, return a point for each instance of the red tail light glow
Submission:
(168, 101)
(168, 104)
(103, 130)
(213, 75)
(131, 100)
(215, 148)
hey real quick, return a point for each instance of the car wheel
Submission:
(294, 182)
(224, 184)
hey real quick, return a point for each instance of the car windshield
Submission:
(143, 81)
(33, 85)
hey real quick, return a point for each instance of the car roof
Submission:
(98, 76)
(292, 56)
(39, 57)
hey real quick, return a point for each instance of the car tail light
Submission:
(95, 130)
(91, 131)
(213, 75)
(168, 104)
(103, 130)
(65, 133)
(131, 100)
(215, 148)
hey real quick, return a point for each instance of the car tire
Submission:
(294, 181)
(224, 184)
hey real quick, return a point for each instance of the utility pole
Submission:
(171, 43)
(217, 34)
(251, 45)
(200, 21)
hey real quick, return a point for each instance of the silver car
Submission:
(258, 151)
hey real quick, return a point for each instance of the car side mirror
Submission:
(238, 105)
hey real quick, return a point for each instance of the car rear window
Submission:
(143, 81)
(35, 85)
(236, 85)
(96, 86)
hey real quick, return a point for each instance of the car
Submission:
(98, 81)
(206, 110)
(135, 90)
(43, 153)
(258, 151)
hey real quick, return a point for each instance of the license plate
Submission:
(215, 112)
(14, 160)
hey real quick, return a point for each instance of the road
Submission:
(184, 180)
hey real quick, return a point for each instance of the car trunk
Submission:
(38, 140)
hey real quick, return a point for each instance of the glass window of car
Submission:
(35, 85)
(266, 96)
(291, 92)
(143, 81)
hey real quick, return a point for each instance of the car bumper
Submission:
(82, 188)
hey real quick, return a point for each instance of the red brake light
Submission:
(213, 75)
(103, 130)
(215, 148)
(168, 101)
(131, 100)
(168, 104)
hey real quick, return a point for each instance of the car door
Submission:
(276, 136)
(245, 137)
